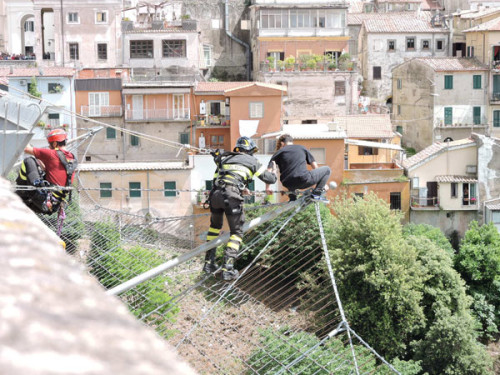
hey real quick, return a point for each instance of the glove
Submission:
(41, 183)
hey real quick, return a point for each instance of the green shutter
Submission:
(170, 187)
(184, 138)
(448, 82)
(134, 140)
(105, 191)
(208, 184)
(448, 115)
(496, 119)
(476, 82)
(135, 189)
(477, 115)
(110, 133)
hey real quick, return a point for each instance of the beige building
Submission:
(444, 185)
(78, 33)
(483, 42)
(137, 187)
(438, 99)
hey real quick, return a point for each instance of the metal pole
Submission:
(199, 250)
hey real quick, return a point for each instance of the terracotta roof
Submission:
(401, 22)
(366, 126)
(449, 64)
(355, 6)
(454, 178)
(430, 5)
(52, 71)
(472, 14)
(492, 25)
(435, 149)
(316, 131)
(399, 1)
(221, 87)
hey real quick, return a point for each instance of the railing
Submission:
(298, 67)
(212, 120)
(423, 202)
(157, 114)
(495, 96)
(101, 111)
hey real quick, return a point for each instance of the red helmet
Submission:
(56, 135)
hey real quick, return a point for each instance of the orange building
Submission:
(224, 111)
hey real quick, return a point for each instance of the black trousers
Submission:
(229, 202)
(318, 177)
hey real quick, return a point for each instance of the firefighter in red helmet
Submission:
(54, 166)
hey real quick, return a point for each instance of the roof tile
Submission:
(52, 71)
(448, 64)
(434, 149)
(401, 22)
(366, 126)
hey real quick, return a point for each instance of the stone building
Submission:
(439, 99)
(387, 40)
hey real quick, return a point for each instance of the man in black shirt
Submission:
(292, 161)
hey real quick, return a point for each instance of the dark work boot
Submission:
(210, 266)
(228, 271)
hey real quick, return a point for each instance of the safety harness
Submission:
(70, 166)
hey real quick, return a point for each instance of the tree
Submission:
(33, 89)
(478, 261)
(378, 273)
(432, 233)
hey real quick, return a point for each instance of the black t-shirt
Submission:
(292, 161)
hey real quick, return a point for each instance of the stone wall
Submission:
(55, 319)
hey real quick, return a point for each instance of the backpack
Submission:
(70, 166)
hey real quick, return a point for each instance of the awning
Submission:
(155, 90)
(248, 128)
(389, 146)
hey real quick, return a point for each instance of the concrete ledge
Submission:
(55, 318)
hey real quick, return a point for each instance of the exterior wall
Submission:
(382, 189)
(450, 223)
(383, 156)
(102, 149)
(3, 27)
(101, 73)
(153, 202)
(191, 60)
(240, 110)
(16, 13)
(487, 167)
(375, 53)
(82, 100)
(65, 33)
(157, 107)
(311, 95)
(64, 99)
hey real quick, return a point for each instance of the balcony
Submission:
(495, 97)
(177, 114)
(212, 121)
(426, 203)
(101, 110)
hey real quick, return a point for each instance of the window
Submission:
(73, 17)
(256, 109)
(339, 88)
(476, 114)
(476, 81)
(174, 48)
(141, 49)
(170, 189)
(97, 100)
(496, 119)
(110, 133)
(399, 128)
(319, 155)
(391, 45)
(29, 26)
(399, 83)
(425, 45)
(448, 82)
(101, 17)
(367, 150)
(439, 45)
(399, 109)
(410, 43)
(415, 182)
(454, 190)
(54, 88)
(469, 194)
(74, 51)
(377, 72)
(134, 140)
(54, 119)
(470, 51)
(448, 115)
(184, 138)
(358, 195)
(102, 51)
(105, 190)
(208, 184)
(395, 200)
(207, 55)
(135, 189)
(217, 140)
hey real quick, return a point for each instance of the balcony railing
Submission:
(157, 114)
(212, 120)
(495, 96)
(422, 202)
(101, 110)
